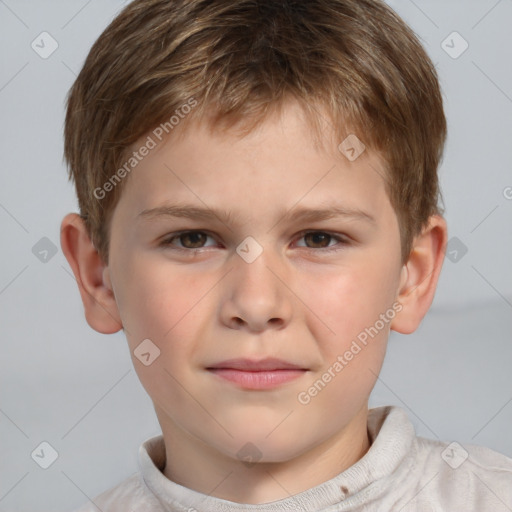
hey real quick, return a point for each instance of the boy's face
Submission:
(212, 297)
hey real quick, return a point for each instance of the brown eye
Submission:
(318, 239)
(323, 241)
(187, 240)
(192, 239)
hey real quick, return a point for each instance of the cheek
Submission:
(172, 309)
(155, 298)
(162, 305)
(350, 301)
(345, 301)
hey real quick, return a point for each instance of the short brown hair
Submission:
(239, 59)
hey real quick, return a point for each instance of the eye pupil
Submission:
(197, 239)
(319, 238)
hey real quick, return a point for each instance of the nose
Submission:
(256, 297)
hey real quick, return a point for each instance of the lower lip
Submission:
(257, 380)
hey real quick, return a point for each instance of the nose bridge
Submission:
(256, 297)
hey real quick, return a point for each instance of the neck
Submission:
(193, 464)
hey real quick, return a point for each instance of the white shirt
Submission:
(400, 472)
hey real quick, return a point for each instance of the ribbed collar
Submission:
(376, 473)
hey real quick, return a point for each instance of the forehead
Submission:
(280, 165)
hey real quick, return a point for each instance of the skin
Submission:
(297, 301)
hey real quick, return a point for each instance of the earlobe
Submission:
(420, 276)
(91, 274)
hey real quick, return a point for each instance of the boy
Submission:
(296, 145)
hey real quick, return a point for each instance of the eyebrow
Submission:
(227, 217)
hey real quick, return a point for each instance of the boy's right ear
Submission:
(91, 274)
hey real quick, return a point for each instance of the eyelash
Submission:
(343, 241)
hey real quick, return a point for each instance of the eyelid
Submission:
(166, 241)
(334, 234)
(341, 238)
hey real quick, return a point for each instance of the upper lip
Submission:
(267, 364)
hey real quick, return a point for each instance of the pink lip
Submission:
(263, 374)
(269, 363)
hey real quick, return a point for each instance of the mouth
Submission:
(263, 374)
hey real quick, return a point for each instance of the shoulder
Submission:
(463, 477)
(131, 494)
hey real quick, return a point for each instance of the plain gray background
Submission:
(67, 385)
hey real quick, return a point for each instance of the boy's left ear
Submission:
(420, 276)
